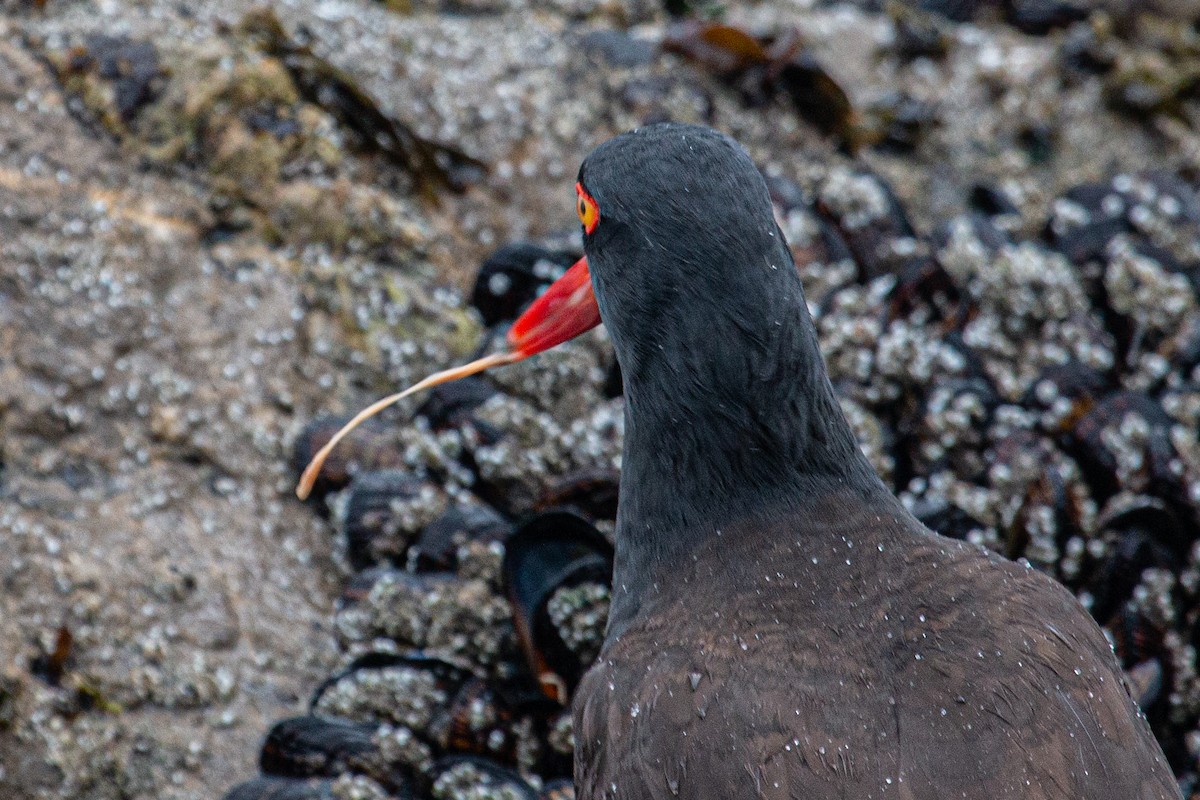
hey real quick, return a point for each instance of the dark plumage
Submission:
(781, 626)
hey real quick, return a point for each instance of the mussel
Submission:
(326, 747)
(369, 447)
(436, 547)
(513, 276)
(558, 573)
(382, 513)
(402, 689)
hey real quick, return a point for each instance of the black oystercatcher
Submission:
(781, 627)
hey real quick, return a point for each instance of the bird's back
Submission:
(872, 659)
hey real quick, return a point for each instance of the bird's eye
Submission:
(589, 212)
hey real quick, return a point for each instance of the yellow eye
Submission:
(589, 212)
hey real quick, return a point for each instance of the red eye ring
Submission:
(588, 209)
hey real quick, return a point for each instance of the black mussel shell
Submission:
(448, 676)
(462, 776)
(1040, 17)
(452, 403)
(1146, 681)
(955, 10)
(982, 227)
(971, 395)
(1085, 240)
(435, 548)
(785, 192)
(326, 747)
(552, 550)
(512, 278)
(1048, 490)
(368, 447)
(1073, 382)
(1140, 644)
(481, 720)
(901, 122)
(870, 242)
(1184, 349)
(924, 282)
(478, 721)
(592, 493)
(1086, 443)
(1141, 533)
(276, 788)
(372, 524)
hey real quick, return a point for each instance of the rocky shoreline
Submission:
(219, 224)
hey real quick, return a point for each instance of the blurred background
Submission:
(226, 226)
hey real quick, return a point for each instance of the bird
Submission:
(780, 625)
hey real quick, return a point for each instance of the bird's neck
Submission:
(724, 436)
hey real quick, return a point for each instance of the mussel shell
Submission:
(1073, 381)
(592, 493)
(1146, 681)
(478, 721)
(454, 774)
(1047, 489)
(481, 720)
(452, 403)
(990, 200)
(373, 531)
(1086, 242)
(1135, 637)
(358, 588)
(1184, 349)
(279, 788)
(436, 546)
(869, 243)
(964, 454)
(1085, 442)
(785, 192)
(513, 276)
(325, 747)
(367, 447)
(1142, 533)
(923, 281)
(1040, 17)
(551, 550)
(449, 677)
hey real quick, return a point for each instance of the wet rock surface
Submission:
(200, 257)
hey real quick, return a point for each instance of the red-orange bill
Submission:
(566, 309)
